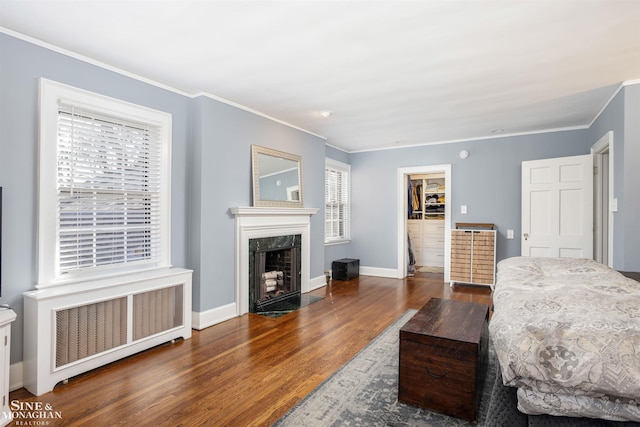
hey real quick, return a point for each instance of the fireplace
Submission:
(274, 272)
(254, 223)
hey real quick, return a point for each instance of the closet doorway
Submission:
(424, 224)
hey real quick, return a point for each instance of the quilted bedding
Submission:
(567, 334)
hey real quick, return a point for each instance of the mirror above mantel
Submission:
(277, 178)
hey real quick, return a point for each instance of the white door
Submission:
(557, 207)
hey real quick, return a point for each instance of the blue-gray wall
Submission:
(211, 171)
(631, 179)
(488, 182)
(222, 154)
(622, 116)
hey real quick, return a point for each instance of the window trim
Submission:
(343, 167)
(51, 93)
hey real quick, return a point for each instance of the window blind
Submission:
(336, 204)
(108, 190)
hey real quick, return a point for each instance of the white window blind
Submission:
(104, 186)
(108, 189)
(337, 198)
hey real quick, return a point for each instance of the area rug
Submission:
(364, 392)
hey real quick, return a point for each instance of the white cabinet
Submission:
(414, 228)
(433, 243)
(427, 240)
(6, 317)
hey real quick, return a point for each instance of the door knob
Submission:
(526, 236)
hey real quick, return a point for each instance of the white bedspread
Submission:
(567, 334)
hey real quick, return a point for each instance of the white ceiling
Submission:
(393, 73)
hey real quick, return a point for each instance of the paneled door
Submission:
(557, 207)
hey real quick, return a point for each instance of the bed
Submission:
(567, 334)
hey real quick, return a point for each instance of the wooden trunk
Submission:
(443, 357)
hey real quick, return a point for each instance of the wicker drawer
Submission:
(473, 256)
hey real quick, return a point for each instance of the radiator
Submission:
(71, 329)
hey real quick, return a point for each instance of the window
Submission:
(104, 186)
(336, 191)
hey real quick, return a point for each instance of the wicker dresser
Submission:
(473, 254)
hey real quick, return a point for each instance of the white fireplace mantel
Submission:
(258, 222)
(271, 211)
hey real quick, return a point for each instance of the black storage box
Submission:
(345, 269)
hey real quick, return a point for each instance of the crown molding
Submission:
(615, 93)
(142, 79)
(482, 138)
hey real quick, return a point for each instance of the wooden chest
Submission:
(443, 357)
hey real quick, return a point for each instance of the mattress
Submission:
(567, 335)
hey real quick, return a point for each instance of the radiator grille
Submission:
(94, 328)
(157, 311)
(91, 329)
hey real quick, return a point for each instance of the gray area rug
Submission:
(364, 392)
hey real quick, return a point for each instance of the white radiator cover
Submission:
(71, 329)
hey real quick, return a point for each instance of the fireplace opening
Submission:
(274, 273)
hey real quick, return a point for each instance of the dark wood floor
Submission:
(247, 371)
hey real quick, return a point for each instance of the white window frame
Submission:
(51, 94)
(345, 168)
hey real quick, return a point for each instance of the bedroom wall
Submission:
(22, 65)
(211, 171)
(222, 154)
(621, 117)
(631, 182)
(488, 182)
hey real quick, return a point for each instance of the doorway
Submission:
(443, 172)
(603, 201)
(590, 185)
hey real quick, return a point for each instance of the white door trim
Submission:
(603, 145)
(402, 214)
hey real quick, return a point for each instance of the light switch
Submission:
(613, 205)
(509, 234)
(463, 209)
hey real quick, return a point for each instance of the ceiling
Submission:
(393, 73)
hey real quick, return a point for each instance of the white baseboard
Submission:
(16, 378)
(317, 282)
(217, 315)
(391, 273)
(214, 316)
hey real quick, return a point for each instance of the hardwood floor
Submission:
(247, 371)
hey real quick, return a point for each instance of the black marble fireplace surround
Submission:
(281, 254)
